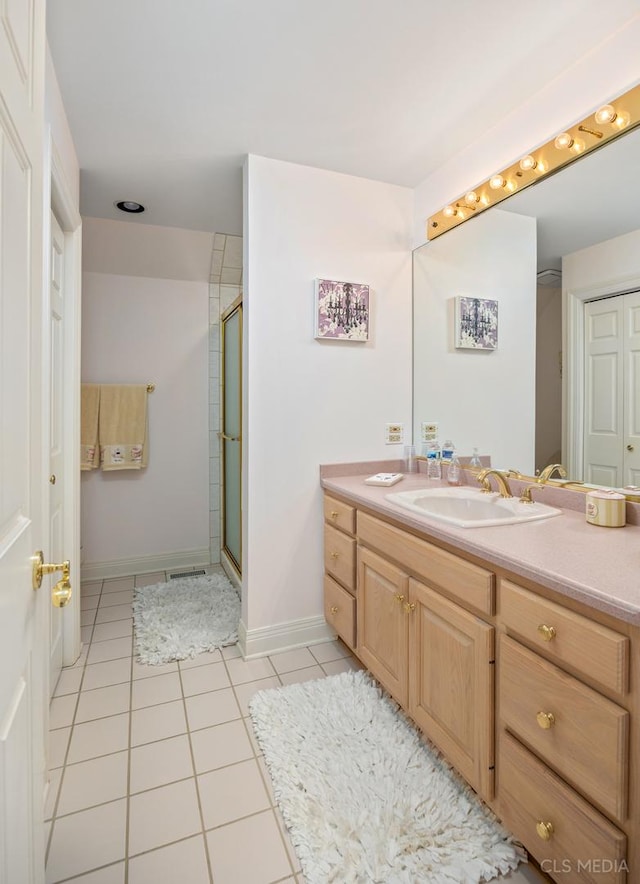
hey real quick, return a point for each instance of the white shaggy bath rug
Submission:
(184, 617)
(364, 799)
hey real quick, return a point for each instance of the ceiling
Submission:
(165, 98)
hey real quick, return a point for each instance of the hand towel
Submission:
(123, 426)
(89, 409)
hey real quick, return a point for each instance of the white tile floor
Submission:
(156, 775)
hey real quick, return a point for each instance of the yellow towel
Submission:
(89, 407)
(123, 426)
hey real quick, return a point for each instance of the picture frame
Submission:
(476, 323)
(342, 310)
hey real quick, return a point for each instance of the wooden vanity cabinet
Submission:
(340, 568)
(433, 656)
(531, 696)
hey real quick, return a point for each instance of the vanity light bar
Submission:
(600, 127)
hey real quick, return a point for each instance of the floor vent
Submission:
(175, 576)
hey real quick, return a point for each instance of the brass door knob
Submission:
(630, 448)
(546, 720)
(547, 632)
(61, 592)
(544, 830)
(334, 609)
(52, 479)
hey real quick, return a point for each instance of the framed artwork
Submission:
(476, 324)
(342, 310)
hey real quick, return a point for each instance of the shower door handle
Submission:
(229, 438)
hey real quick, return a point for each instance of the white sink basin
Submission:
(470, 507)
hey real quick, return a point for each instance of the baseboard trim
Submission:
(185, 558)
(283, 636)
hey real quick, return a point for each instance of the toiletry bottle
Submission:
(453, 470)
(434, 469)
(475, 460)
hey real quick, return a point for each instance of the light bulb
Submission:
(449, 211)
(563, 141)
(605, 114)
(528, 163)
(496, 182)
(471, 198)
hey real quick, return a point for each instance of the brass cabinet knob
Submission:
(334, 555)
(545, 720)
(334, 609)
(544, 830)
(409, 607)
(399, 598)
(334, 514)
(546, 632)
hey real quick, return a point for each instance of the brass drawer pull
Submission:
(334, 609)
(545, 720)
(547, 632)
(334, 514)
(409, 607)
(334, 555)
(544, 830)
(399, 598)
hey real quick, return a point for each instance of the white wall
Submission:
(480, 398)
(310, 402)
(608, 70)
(612, 262)
(138, 330)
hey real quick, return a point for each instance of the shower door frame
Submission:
(225, 439)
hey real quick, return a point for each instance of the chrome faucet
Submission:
(501, 481)
(549, 470)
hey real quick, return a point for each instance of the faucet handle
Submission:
(525, 494)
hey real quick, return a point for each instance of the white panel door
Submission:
(604, 396)
(631, 440)
(23, 639)
(56, 545)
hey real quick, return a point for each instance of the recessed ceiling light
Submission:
(129, 206)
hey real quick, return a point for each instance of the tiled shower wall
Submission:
(225, 286)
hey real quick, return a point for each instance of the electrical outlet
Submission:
(428, 431)
(394, 434)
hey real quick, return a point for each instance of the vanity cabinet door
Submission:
(383, 622)
(452, 683)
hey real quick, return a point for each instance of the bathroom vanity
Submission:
(516, 650)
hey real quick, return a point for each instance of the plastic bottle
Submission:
(453, 470)
(434, 468)
(475, 460)
(448, 450)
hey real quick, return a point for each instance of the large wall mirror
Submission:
(562, 259)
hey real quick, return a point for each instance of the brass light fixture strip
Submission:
(582, 138)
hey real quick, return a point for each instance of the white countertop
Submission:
(597, 566)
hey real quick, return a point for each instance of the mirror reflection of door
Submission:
(232, 434)
(612, 391)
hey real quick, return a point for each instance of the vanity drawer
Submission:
(340, 556)
(340, 514)
(566, 637)
(582, 846)
(469, 584)
(340, 611)
(580, 733)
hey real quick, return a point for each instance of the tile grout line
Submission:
(195, 779)
(54, 812)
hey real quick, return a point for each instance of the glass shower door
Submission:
(232, 434)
